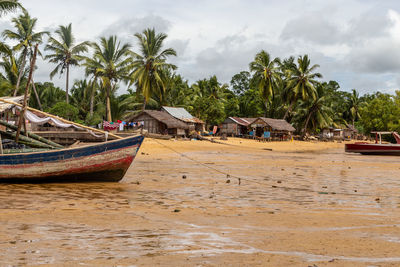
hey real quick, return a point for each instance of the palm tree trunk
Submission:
(108, 105)
(92, 97)
(144, 105)
(266, 108)
(306, 124)
(288, 110)
(21, 71)
(67, 85)
(36, 95)
(91, 103)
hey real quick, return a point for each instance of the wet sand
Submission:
(301, 204)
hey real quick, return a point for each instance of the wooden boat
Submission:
(377, 148)
(107, 162)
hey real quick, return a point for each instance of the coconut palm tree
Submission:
(301, 81)
(266, 75)
(317, 110)
(354, 106)
(26, 38)
(9, 65)
(286, 69)
(49, 94)
(9, 6)
(91, 67)
(150, 65)
(65, 53)
(114, 65)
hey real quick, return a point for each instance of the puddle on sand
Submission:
(59, 235)
(211, 244)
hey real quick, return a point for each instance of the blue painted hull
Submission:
(107, 161)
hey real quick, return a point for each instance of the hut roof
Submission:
(5, 106)
(242, 121)
(280, 125)
(181, 114)
(165, 118)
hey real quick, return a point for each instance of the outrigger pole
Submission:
(61, 119)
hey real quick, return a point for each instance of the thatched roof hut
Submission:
(160, 122)
(276, 124)
(236, 126)
(272, 128)
(184, 116)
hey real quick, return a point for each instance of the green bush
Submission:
(64, 110)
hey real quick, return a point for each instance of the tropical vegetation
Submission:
(289, 88)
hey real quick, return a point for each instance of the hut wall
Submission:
(176, 132)
(199, 127)
(260, 126)
(242, 130)
(348, 133)
(150, 124)
(229, 127)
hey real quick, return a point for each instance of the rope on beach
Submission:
(258, 182)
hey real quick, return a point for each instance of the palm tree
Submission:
(91, 66)
(266, 75)
(9, 64)
(9, 6)
(26, 38)
(65, 53)
(354, 106)
(286, 67)
(317, 110)
(114, 65)
(301, 82)
(49, 94)
(150, 66)
(79, 97)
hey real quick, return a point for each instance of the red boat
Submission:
(377, 148)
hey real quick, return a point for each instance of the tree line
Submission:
(290, 88)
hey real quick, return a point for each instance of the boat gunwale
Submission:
(69, 148)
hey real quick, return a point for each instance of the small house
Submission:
(350, 132)
(193, 123)
(160, 122)
(235, 126)
(272, 128)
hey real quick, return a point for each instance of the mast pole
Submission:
(21, 114)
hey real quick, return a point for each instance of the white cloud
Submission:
(355, 42)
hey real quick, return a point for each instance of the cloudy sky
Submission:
(356, 42)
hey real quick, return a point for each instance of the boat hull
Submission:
(373, 149)
(106, 162)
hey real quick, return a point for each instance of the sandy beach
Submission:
(196, 203)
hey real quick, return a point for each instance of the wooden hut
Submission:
(272, 128)
(235, 126)
(193, 123)
(160, 122)
(350, 132)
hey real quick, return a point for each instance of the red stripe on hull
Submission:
(24, 166)
(366, 148)
(111, 171)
